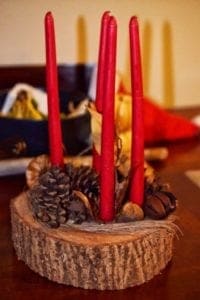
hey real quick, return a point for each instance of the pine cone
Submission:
(54, 201)
(86, 180)
(50, 197)
(77, 211)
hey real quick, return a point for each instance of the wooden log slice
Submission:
(92, 256)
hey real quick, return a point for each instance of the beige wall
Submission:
(170, 39)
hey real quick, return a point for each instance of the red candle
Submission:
(137, 149)
(101, 70)
(107, 175)
(101, 74)
(54, 124)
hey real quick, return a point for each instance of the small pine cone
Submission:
(54, 200)
(49, 198)
(86, 180)
(77, 211)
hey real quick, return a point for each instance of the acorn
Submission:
(130, 212)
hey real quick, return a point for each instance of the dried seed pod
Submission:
(159, 202)
(154, 208)
(85, 201)
(85, 180)
(36, 167)
(168, 200)
(77, 211)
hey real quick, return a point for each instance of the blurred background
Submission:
(169, 31)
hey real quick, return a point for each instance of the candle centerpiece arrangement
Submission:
(104, 225)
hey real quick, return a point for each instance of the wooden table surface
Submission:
(181, 278)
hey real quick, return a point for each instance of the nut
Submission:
(132, 211)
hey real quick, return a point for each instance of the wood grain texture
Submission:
(103, 260)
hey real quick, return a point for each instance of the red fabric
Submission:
(163, 126)
(160, 125)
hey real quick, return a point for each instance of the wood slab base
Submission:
(107, 257)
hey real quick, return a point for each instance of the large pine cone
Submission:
(49, 197)
(60, 196)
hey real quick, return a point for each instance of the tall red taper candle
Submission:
(107, 175)
(137, 149)
(54, 124)
(100, 86)
(101, 68)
